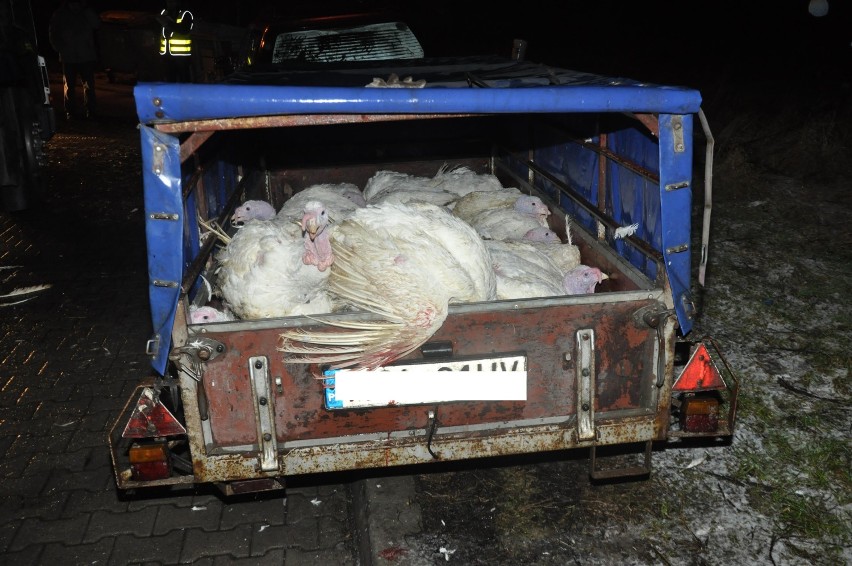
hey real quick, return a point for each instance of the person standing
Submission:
(176, 42)
(72, 34)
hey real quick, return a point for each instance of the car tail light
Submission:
(150, 461)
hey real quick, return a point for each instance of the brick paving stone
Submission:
(100, 457)
(105, 394)
(325, 557)
(269, 511)
(272, 558)
(8, 528)
(302, 534)
(42, 463)
(62, 411)
(80, 501)
(207, 495)
(332, 531)
(5, 441)
(34, 531)
(233, 543)
(87, 480)
(153, 498)
(9, 506)
(57, 389)
(205, 517)
(42, 506)
(61, 554)
(28, 444)
(30, 486)
(27, 557)
(15, 417)
(89, 439)
(98, 421)
(303, 505)
(265, 538)
(14, 465)
(149, 550)
(104, 524)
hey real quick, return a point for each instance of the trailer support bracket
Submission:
(585, 384)
(264, 413)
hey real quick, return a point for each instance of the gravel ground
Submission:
(777, 302)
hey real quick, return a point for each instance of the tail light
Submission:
(699, 393)
(699, 414)
(150, 461)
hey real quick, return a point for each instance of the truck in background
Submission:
(27, 118)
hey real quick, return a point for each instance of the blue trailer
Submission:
(616, 371)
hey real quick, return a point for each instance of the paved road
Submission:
(71, 356)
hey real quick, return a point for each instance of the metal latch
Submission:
(585, 384)
(196, 352)
(264, 413)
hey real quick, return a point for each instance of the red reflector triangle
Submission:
(700, 373)
(151, 418)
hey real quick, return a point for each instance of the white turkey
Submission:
(565, 256)
(523, 272)
(252, 210)
(510, 218)
(262, 271)
(535, 266)
(448, 185)
(583, 280)
(406, 264)
(339, 199)
(471, 204)
(205, 314)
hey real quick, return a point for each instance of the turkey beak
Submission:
(603, 277)
(309, 225)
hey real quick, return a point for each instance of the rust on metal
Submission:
(287, 120)
(623, 381)
(192, 143)
(650, 121)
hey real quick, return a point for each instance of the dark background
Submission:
(664, 40)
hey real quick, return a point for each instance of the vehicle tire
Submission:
(21, 151)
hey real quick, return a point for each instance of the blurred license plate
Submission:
(500, 378)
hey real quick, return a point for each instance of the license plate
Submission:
(500, 378)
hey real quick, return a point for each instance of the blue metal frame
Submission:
(663, 215)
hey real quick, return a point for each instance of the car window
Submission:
(374, 42)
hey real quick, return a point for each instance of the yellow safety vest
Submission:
(177, 44)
